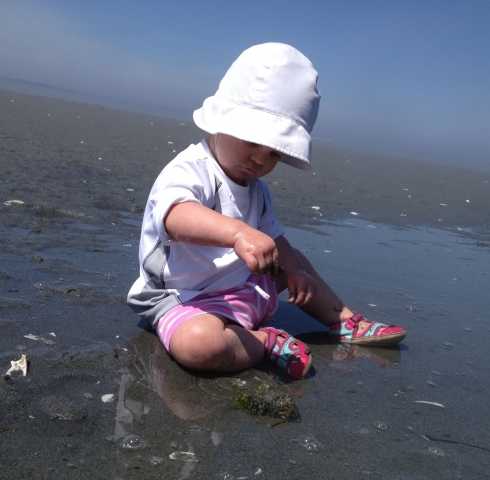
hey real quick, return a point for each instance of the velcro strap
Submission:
(353, 321)
(270, 342)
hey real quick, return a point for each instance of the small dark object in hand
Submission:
(275, 271)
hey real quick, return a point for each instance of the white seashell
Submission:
(18, 366)
(431, 403)
(107, 398)
(14, 202)
(34, 337)
(185, 456)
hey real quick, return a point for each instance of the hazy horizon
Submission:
(407, 78)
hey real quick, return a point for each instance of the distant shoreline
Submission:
(48, 91)
(56, 93)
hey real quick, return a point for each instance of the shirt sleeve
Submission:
(179, 182)
(268, 223)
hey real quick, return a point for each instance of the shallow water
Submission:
(435, 284)
(359, 414)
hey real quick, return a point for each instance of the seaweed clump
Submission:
(265, 399)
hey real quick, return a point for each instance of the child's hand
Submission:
(257, 250)
(301, 287)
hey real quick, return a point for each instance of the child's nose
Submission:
(259, 156)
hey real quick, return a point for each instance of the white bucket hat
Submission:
(268, 96)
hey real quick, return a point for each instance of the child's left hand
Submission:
(301, 287)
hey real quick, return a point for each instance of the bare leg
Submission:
(214, 343)
(326, 306)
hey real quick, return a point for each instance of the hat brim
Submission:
(219, 115)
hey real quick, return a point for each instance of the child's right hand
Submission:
(257, 250)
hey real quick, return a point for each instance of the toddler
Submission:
(212, 256)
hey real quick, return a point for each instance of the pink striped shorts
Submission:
(251, 306)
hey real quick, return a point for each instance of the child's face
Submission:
(242, 160)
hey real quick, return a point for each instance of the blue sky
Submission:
(409, 77)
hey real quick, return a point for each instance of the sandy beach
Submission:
(400, 240)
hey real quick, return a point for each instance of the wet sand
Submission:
(68, 256)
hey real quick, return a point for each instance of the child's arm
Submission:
(301, 286)
(191, 222)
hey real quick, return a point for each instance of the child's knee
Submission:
(199, 346)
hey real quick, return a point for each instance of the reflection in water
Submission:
(152, 376)
(384, 356)
(166, 427)
(323, 347)
(191, 395)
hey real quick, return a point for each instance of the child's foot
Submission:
(361, 331)
(287, 352)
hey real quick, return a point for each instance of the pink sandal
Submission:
(376, 333)
(287, 352)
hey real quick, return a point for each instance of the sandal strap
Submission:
(270, 341)
(353, 321)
